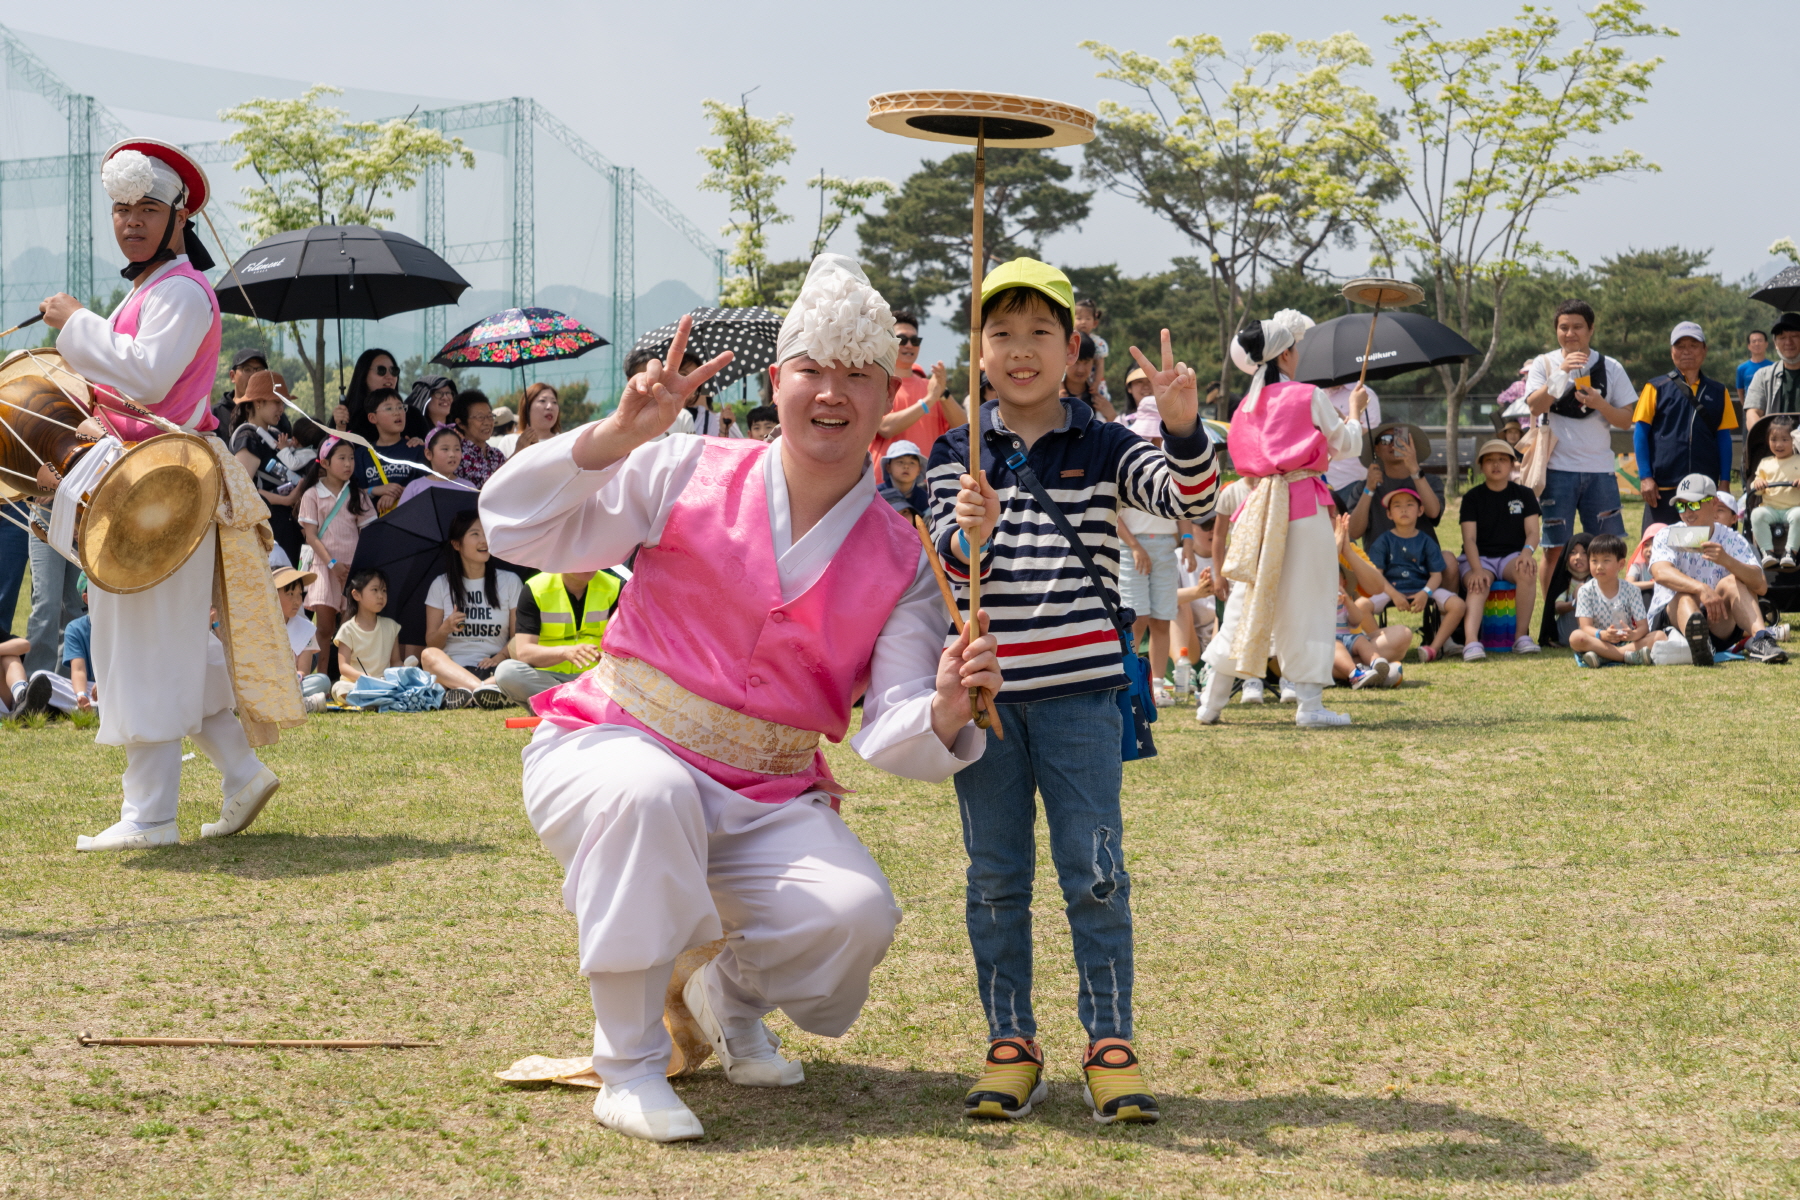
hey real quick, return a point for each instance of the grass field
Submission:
(1523, 930)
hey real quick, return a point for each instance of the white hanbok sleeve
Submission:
(543, 511)
(896, 734)
(1343, 439)
(173, 321)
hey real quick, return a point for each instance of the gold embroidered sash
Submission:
(696, 723)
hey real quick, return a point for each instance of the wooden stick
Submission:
(1369, 346)
(986, 715)
(22, 324)
(262, 1043)
(978, 261)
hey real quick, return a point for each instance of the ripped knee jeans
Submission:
(1067, 751)
(1593, 496)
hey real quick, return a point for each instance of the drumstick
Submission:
(23, 324)
(982, 700)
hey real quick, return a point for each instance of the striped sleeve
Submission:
(1180, 481)
(943, 479)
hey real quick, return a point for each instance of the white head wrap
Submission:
(1256, 346)
(132, 175)
(839, 319)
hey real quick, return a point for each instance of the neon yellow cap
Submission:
(1029, 272)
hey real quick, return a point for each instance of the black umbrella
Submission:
(347, 272)
(1783, 291)
(1331, 353)
(408, 546)
(749, 333)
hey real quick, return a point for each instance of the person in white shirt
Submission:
(1586, 396)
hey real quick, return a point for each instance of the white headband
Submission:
(839, 319)
(1255, 347)
(132, 175)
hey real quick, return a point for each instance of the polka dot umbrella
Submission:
(518, 337)
(749, 333)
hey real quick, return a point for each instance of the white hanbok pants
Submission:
(659, 857)
(152, 779)
(1305, 606)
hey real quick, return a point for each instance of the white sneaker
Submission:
(316, 702)
(1206, 716)
(241, 807)
(1288, 694)
(1473, 652)
(761, 1066)
(1769, 560)
(1252, 693)
(625, 1112)
(119, 838)
(1524, 645)
(1320, 718)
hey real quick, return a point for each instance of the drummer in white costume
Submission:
(165, 671)
(678, 782)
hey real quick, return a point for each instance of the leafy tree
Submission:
(1261, 159)
(315, 167)
(743, 169)
(842, 199)
(918, 251)
(1493, 128)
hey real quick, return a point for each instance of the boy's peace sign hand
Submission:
(648, 406)
(1177, 390)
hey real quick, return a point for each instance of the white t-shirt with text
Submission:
(483, 632)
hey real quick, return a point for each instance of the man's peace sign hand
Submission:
(648, 406)
(1177, 390)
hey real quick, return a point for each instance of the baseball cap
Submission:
(1389, 498)
(1136, 374)
(1029, 272)
(1788, 322)
(1687, 329)
(502, 415)
(1729, 501)
(1696, 487)
(251, 355)
(901, 449)
(1496, 446)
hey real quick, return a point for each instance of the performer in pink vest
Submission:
(165, 671)
(1283, 555)
(679, 782)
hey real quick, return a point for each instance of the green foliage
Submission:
(841, 199)
(918, 251)
(1491, 129)
(744, 170)
(1262, 159)
(315, 167)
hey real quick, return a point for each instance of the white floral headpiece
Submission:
(132, 175)
(839, 319)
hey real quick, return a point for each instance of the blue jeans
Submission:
(55, 601)
(1593, 495)
(1067, 749)
(14, 554)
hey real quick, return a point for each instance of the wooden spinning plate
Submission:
(1385, 293)
(959, 116)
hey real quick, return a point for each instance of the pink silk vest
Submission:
(1279, 436)
(704, 607)
(192, 391)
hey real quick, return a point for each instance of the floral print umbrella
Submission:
(517, 337)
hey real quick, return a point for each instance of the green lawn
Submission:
(1523, 930)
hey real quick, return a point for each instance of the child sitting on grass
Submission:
(368, 643)
(12, 673)
(1410, 560)
(1356, 659)
(1568, 577)
(303, 639)
(1614, 624)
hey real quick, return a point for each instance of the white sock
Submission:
(221, 738)
(1311, 696)
(629, 1038)
(1217, 692)
(754, 1044)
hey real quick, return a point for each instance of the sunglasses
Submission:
(386, 371)
(914, 340)
(1689, 505)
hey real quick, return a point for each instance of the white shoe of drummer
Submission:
(750, 1060)
(1288, 694)
(129, 835)
(647, 1108)
(1312, 713)
(241, 807)
(1252, 692)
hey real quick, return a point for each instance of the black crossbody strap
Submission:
(1028, 477)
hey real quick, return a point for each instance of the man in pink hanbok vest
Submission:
(1283, 556)
(679, 782)
(165, 671)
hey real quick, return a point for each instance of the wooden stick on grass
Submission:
(262, 1043)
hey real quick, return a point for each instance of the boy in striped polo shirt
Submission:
(1062, 670)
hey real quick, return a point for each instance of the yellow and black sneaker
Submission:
(1012, 1082)
(1115, 1084)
